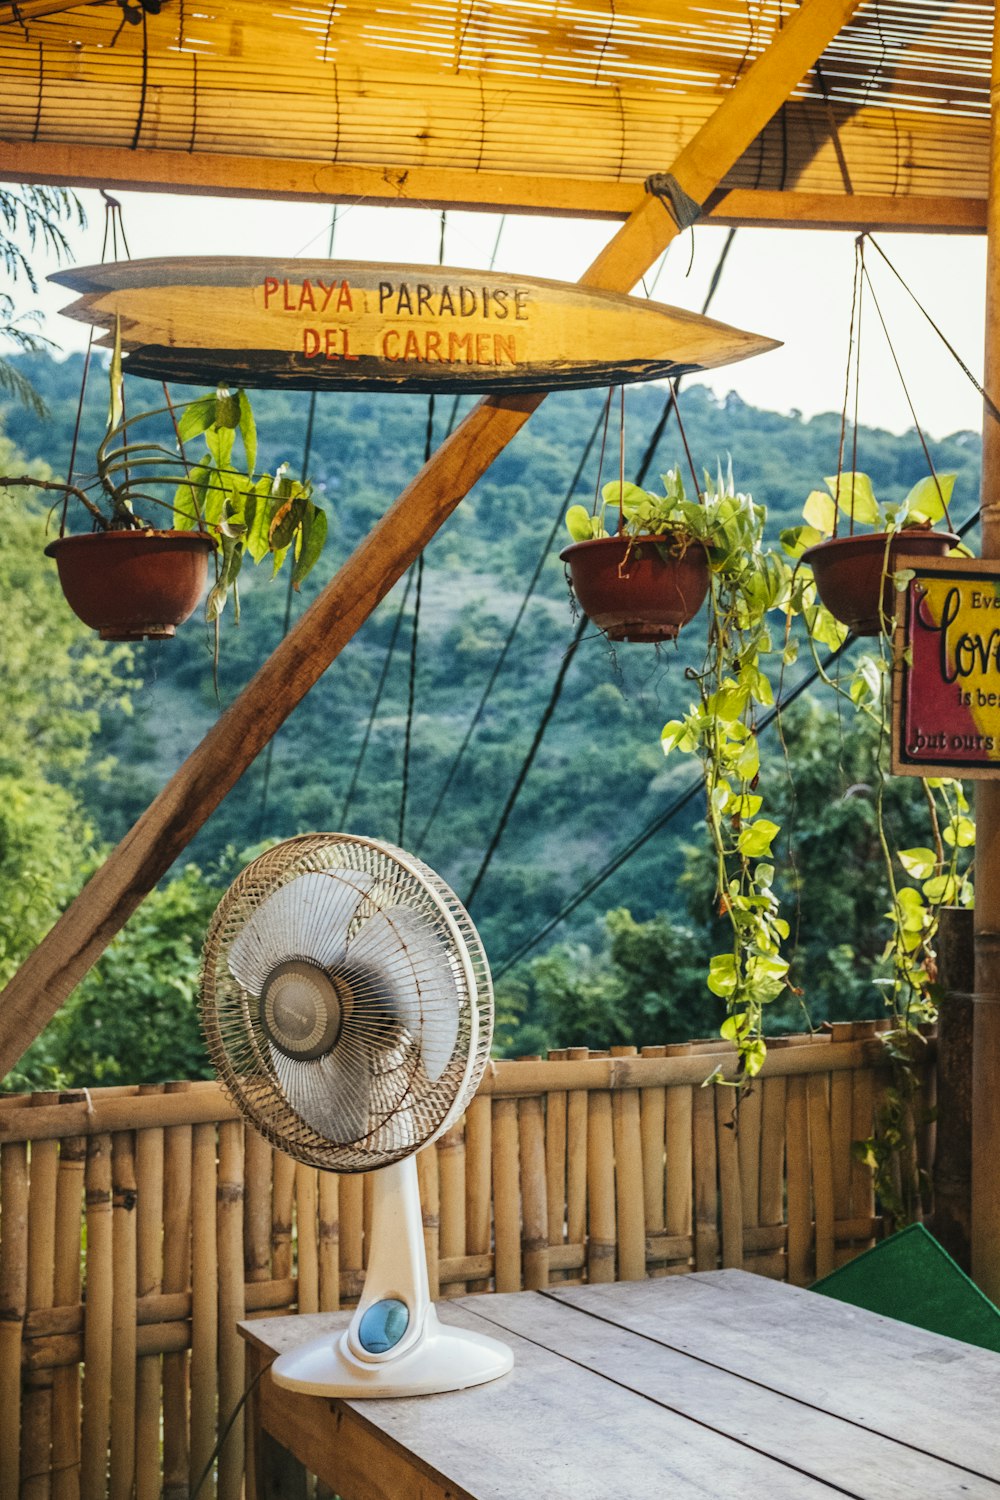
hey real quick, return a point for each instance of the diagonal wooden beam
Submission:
(172, 819)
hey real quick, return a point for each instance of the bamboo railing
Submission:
(138, 1225)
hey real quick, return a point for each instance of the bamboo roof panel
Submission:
(596, 89)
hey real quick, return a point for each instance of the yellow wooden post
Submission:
(986, 1022)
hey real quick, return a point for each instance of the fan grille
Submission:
(372, 1101)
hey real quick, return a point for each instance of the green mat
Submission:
(910, 1277)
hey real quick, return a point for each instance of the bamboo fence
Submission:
(138, 1225)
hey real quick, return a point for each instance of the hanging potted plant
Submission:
(648, 578)
(130, 578)
(854, 572)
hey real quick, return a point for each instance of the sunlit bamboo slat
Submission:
(148, 1283)
(66, 1293)
(534, 1194)
(478, 1183)
(506, 1197)
(706, 1234)
(36, 1406)
(13, 1305)
(97, 1338)
(204, 1301)
(800, 1260)
(231, 1305)
(177, 1148)
(727, 1124)
(601, 1225)
(451, 1174)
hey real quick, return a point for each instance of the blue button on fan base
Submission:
(383, 1325)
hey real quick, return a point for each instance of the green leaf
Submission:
(820, 512)
(189, 499)
(313, 536)
(942, 890)
(220, 442)
(929, 498)
(287, 519)
(259, 521)
(248, 429)
(854, 496)
(196, 417)
(961, 832)
(722, 975)
(116, 402)
(581, 524)
(920, 863)
(755, 840)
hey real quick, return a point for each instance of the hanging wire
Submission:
(112, 211)
(906, 392)
(415, 630)
(379, 690)
(509, 640)
(289, 591)
(991, 405)
(548, 711)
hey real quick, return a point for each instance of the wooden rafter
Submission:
(83, 166)
(145, 854)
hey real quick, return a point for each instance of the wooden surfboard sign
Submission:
(343, 325)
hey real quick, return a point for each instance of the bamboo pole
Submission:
(351, 1234)
(123, 1322)
(329, 1242)
(282, 1199)
(478, 1182)
(429, 1181)
(555, 1170)
(506, 1197)
(177, 1148)
(13, 1306)
(534, 1195)
(577, 1127)
(97, 1332)
(985, 1216)
(727, 1126)
(451, 1176)
(149, 1283)
(652, 1123)
(679, 1157)
(204, 1301)
(629, 1184)
(799, 1205)
(36, 1397)
(83, 931)
(307, 1238)
(231, 1305)
(706, 1187)
(66, 1293)
(600, 1188)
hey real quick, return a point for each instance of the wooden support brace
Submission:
(84, 930)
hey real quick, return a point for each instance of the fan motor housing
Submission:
(301, 1009)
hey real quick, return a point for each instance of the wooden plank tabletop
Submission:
(689, 1386)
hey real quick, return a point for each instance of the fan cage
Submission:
(407, 1109)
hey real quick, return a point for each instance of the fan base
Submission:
(444, 1359)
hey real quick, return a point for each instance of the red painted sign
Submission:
(946, 678)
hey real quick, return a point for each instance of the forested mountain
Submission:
(599, 779)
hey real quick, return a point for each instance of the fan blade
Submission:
(331, 1093)
(307, 918)
(415, 980)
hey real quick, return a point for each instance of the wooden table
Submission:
(713, 1385)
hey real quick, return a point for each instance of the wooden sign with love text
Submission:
(946, 675)
(354, 325)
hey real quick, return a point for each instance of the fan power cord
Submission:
(223, 1435)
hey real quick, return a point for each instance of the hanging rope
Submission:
(991, 405)
(550, 707)
(289, 591)
(414, 634)
(512, 632)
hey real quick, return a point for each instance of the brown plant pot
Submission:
(133, 585)
(852, 574)
(638, 588)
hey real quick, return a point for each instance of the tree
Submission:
(57, 680)
(37, 214)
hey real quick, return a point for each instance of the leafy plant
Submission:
(39, 213)
(747, 583)
(852, 498)
(263, 516)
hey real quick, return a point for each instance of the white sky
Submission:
(793, 285)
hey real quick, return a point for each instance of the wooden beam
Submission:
(84, 930)
(226, 176)
(985, 1214)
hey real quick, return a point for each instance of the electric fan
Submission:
(348, 1009)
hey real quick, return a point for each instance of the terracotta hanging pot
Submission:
(133, 585)
(852, 573)
(638, 588)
